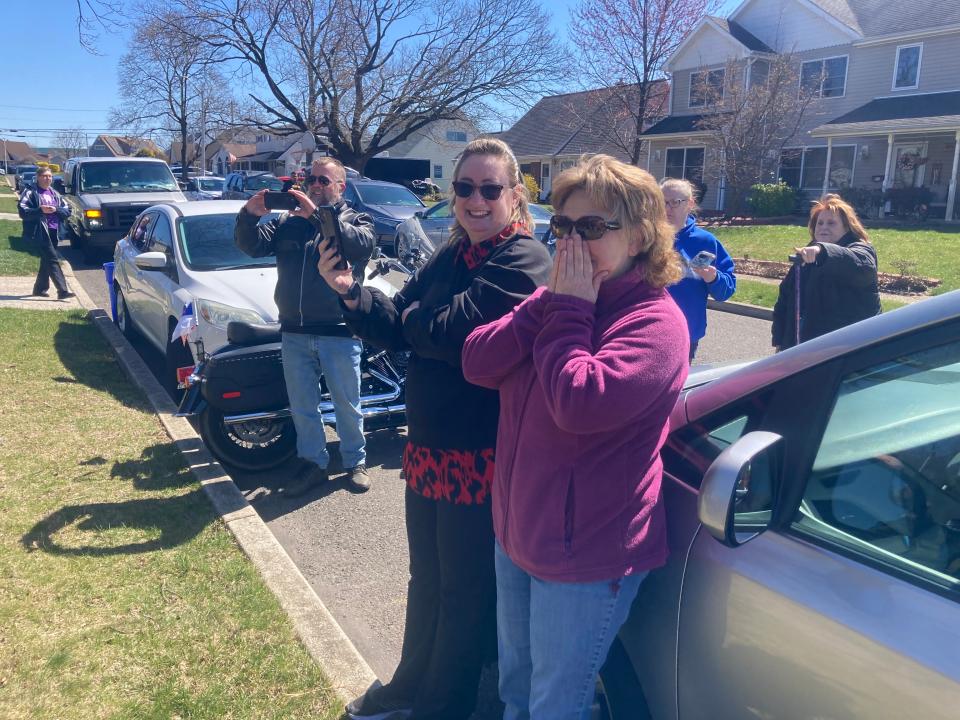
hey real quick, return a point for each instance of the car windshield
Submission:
(387, 195)
(214, 184)
(261, 182)
(206, 243)
(120, 177)
(440, 211)
(539, 212)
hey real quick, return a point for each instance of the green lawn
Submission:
(8, 203)
(754, 292)
(921, 250)
(122, 594)
(15, 256)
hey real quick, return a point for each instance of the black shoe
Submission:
(45, 293)
(358, 478)
(65, 295)
(310, 477)
(373, 705)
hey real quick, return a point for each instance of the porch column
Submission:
(826, 170)
(649, 153)
(887, 178)
(952, 192)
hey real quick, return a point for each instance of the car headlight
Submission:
(219, 315)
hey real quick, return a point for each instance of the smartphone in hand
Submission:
(279, 201)
(330, 229)
(702, 259)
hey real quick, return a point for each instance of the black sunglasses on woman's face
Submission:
(488, 191)
(591, 227)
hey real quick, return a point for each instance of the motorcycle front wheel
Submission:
(254, 446)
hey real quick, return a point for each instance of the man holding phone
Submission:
(315, 339)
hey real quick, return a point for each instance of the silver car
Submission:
(432, 227)
(813, 505)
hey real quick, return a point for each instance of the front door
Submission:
(910, 162)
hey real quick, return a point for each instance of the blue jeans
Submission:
(553, 637)
(305, 359)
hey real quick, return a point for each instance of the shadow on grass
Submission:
(168, 521)
(91, 362)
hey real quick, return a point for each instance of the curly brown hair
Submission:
(633, 198)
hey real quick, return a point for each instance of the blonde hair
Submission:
(683, 186)
(498, 149)
(634, 199)
(843, 209)
(331, 162)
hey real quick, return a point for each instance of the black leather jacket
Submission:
(305, 301)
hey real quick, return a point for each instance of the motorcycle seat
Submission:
(241, 333)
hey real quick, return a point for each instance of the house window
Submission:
(685, 163)
(438, 171)
(759, 72)
(906, 74)
(826, 77)
(803, 168)
(456, 136)
(567, 164)
(706, 87)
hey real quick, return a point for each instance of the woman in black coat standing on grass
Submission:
(490, 265)
(44, 214)
(837, 274)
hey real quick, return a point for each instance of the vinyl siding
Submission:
(788, 26)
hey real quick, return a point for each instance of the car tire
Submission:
(122, 320)
(619, 694)
(255, 446)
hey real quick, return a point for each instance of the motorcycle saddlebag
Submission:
(246, 379)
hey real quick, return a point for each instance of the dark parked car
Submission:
(19, 171)
(244, 185)
(433, 225)
(387, 203)
(813, 518)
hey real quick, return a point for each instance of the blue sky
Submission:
(62, 85)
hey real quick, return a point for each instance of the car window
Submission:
(133, 176)
(885, 483)
(440, 211)
(349, 195)
(395, 195)
(141, 231)
(691, 449)
(206, 243)
(261, 182)
(162, 238)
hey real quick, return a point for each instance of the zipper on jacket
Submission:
(303, 269)
(513, 459)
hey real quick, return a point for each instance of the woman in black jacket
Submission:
(490, 265)
(838, 277)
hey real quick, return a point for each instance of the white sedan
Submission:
(182, 254)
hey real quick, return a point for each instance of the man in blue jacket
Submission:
(711, 273)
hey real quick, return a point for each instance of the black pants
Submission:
(451, 608)
(49, 263)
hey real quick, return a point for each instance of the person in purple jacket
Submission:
(704, 275)
(588, 370)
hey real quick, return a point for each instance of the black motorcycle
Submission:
(239, 396)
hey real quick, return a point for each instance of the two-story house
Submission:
(122, 146)
(887, 84)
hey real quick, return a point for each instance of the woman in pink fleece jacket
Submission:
(588, 370)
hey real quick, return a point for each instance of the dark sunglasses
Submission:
(322, 179)
(466, 189)
(591, 227)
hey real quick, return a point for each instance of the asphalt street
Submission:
(352, 548)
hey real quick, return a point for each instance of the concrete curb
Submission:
(735, 308)
(348, 673)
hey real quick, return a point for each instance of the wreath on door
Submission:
(911, 161)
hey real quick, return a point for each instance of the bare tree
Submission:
(624, 46)
(757, 109)
(167, 83)
(95, 17)
(363, 75)
(71, 141)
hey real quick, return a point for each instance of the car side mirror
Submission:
(58, 186)
(154, 260)
(418, 214)
(738, 490)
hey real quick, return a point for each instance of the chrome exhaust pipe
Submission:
(330, 418)
(253, 417)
